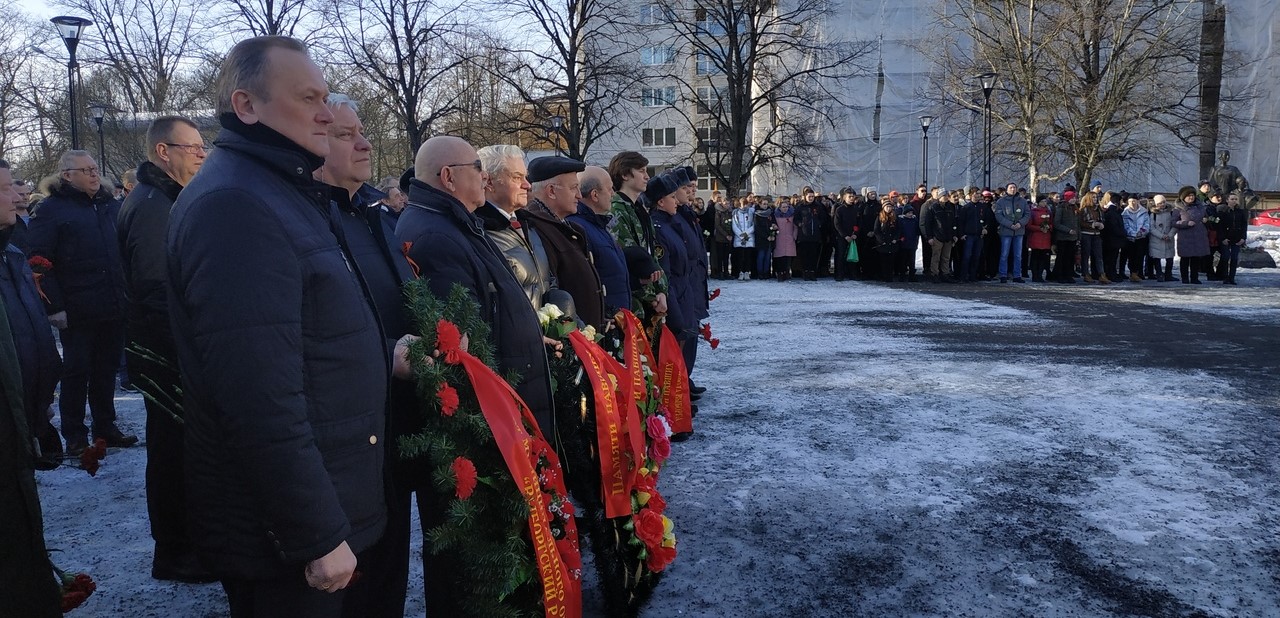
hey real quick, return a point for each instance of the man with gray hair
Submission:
(284, 367)
(555, 196)
(75, 230)
(506, 193)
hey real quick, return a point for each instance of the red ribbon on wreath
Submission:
(673, 379)
(615, 409)
(511, 420)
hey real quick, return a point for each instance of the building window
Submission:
(706, 65)
(658, 97)
(655, 56)
(707, 24)
(708, 100)
(706, 180)
(658, 137)
(653, 14)
(708, 138)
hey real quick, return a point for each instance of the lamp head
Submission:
(988, 83)
(70, 28)
(925, 121)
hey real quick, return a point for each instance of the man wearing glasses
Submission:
(75, 230)
(175, 152)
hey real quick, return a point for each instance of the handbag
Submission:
(852, 256)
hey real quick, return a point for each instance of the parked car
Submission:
(1267, 217)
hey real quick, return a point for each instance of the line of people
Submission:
(259, 286)
(972, 235)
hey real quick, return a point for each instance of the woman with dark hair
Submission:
(1113, 238)
(1137, 225)
(888, 235)
(764, 241)
(1193, 238)
(784, 243)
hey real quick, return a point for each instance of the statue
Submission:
(1227, 177)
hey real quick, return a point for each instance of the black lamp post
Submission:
(988, 83)
(556, 129)
(925, 121)
(98, 111)
(70, 29)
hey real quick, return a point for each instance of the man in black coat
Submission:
(285, 368)
(448, 244)
(75, 230)
(846, 232)
(175, 151)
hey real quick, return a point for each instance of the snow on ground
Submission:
(868, 450)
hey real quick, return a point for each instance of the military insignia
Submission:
(658, 252)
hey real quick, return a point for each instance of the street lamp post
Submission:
(988, 83)
(70, 29)
(98, 111)
(557, 128)
(925, 121)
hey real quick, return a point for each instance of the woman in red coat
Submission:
(1039, 239)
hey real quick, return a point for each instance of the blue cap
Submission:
(659, 187)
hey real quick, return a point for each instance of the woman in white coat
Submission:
(744, 239)
(1160, 248)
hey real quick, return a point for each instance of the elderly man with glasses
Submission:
(74, 229)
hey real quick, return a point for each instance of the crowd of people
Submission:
(973, 235)
(255, 289)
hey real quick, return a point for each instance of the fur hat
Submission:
(1184, 192)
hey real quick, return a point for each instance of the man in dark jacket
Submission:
(364, 230)
(811, 221)
(75, 230)
(37, 351)
(175, 152)
(448, 244)
(555, 194)
(938, 228)
(285, 368)
(846, 231)
(593, 217)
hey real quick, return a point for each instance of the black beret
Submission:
(659, 187)
(546, 168)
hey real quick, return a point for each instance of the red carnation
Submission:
(72, 599)
(713, 295)
(84, 584)
(90, 457)
(706, 331)
(715, 343)
(40, 264)
(448, 399)
(659, 557)
(649, 528)
(646, 483)
(448, 341)
(465, 472)
(655, 427)
(657, 503)
(570, 554)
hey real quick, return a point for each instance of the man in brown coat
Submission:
(555, 196)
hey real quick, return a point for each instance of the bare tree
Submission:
(268, 17)
(405, 47)
(769, 74)
(1087, 83)
(574, 62)
(490, 106)
(144, 44)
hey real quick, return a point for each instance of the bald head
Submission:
(450, 164)
(597, 189)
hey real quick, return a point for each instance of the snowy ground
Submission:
(915, 450)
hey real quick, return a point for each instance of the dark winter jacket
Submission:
(78, 235)
(846, 219)
(141, 230)
(1066, 224)
(1233, 225)
(888, 235)
(29, 590)
(676, 261)
(284, 367)
(868, 212)
(1113, 223)
(763, 228)
(687, 225)
(812, 220)
(1192, 237)
(570, 261)
(610, 262)
(908, 229)
(939, 221)
(724, 225)
(37, 352)
(449, 246)
(969, 219)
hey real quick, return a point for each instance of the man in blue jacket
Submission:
(1012, 213)
(284, 364)
(75, 230)
(594, 218)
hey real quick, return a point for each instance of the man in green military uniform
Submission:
(632, 228)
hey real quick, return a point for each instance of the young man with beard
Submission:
(175, 152)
